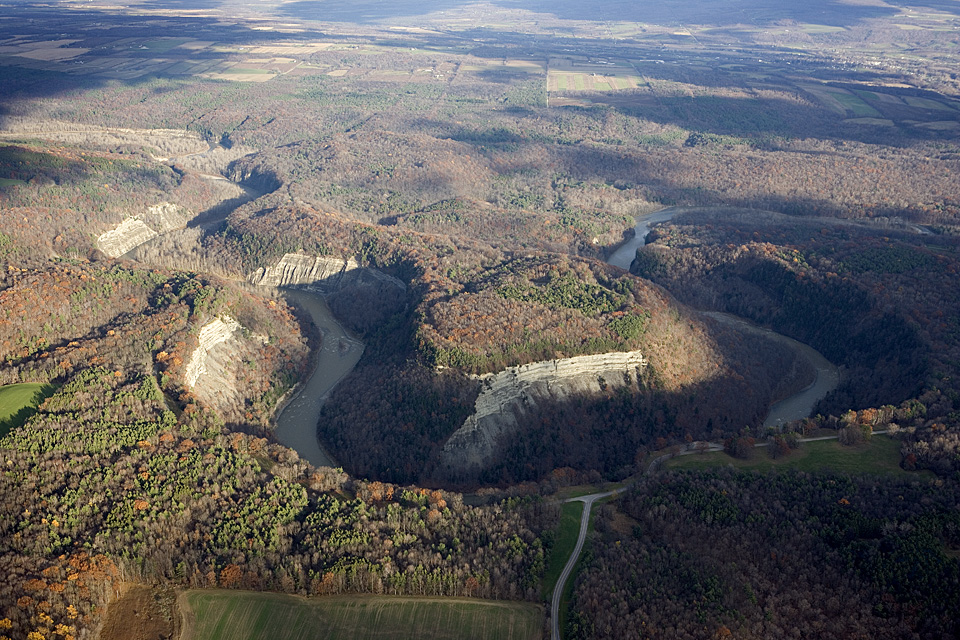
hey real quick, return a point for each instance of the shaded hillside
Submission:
(802, 278)
(879, 300)
(742, 555)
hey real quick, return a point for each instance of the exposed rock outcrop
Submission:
(202, 361)
(130, 233)
(327, 274)
(506, 397)
(142, 228)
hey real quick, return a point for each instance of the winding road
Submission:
(588, 501)
(562, 580)
(799, 404)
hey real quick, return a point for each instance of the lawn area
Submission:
(567, 531)
(17, 401)
(9, 182)
(879, 456)
(249, 615)
(568, 587)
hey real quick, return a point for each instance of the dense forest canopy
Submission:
(457, 173)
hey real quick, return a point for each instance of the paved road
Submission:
(588, 501)
(558, 590)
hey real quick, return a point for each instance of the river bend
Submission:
(796, 407)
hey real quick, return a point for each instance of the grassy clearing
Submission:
(808, 27)
(568, 587)
(855, 104)
(871, 122)
(826, 98)
(926, 103)
(246, 71)
(10, 182)
(879, 456)
(17, 402)
(567, 531)
(163, 45)
(248, 615)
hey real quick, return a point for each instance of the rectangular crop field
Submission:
(859, 108)
(566, 80)
(881, 455)
(249, 615)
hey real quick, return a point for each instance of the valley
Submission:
(314, 317)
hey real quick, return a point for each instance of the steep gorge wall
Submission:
(141, 228)
(328, 274)
(212, 334)
(508, 396)
(215, 371)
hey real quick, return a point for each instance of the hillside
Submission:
(879, 300)
(450, 178)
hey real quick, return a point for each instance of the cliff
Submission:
(214, 333)
(327, 274)
(508, 396)
(141, 228)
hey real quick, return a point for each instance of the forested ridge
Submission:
(727, 554)
(486, 161)
(879, 301)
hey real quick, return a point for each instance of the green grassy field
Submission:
(879, 456)
(248, 615)
(855, 104)
(566, 540)
(14, 398)
(9, 182)
(568, 587)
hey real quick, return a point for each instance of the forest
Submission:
(879, 301)
(485, 161)
(726, 554)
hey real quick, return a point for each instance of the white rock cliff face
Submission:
(130, 233)
(141, 228)
(214, 333)
(327, 273)
(507, 397)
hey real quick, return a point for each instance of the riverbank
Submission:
(339, 352)
(794, 407)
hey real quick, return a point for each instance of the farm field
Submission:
(879, 456)
(16, 397)
(245, 615)
(567, 74)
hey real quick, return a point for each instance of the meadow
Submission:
(17, 400)
(245, 615)
(881, 455)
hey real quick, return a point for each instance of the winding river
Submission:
(340, 352)
(798, 406)
(337, 356)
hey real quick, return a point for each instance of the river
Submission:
(337, 356)
(798, 406)
(296, 420)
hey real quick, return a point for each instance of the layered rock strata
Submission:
(203, 359)
(510, 395)
(142, 228)
(325, 273)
